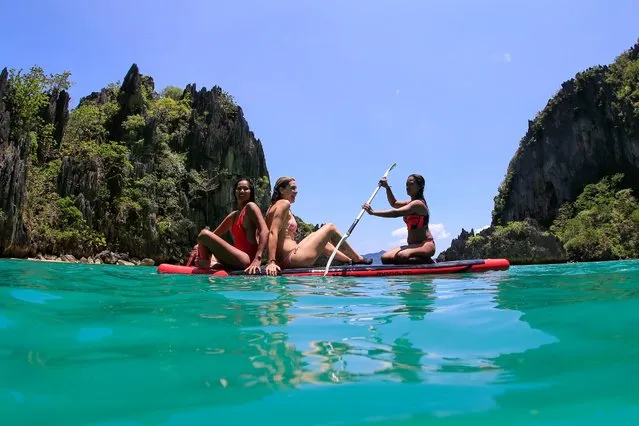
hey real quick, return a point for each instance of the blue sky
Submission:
(339, 90)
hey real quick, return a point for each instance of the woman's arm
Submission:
(411, 207)
(281, 209)
(225, 225)
(390, 196)
(256, 215)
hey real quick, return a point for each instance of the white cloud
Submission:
(503, 57)
(438, 230)
(396, 92)
(481, 229)
(397, 243)
(400, 232)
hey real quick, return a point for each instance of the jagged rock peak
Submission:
(4, 115)
(98, 98)
(4, 78)
(131, 97)
(633, 53)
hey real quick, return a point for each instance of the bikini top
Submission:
(416, 221)
(292, 224)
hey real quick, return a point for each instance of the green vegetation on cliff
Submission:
(602, 224)
(521, 242)
(129, 170)
(568, 190)
(588, 130)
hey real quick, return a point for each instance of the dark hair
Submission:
(280, 183)
(251, 186)
(419, 179)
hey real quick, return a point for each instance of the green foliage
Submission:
(515, 230)
(616, 87)
(86, 122)
(521, 242)
(263, 193)
(133, 128)
(226, 100)
(28, 93)
(56, 224)
(172, 92)
(114, 88)
(476, 241)
(136, 194)
(623, 75)
(172, 118)
(602, 223)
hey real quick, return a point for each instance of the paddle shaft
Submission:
(355, 222)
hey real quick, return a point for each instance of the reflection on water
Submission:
(125, 343)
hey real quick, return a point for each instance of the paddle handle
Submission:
(355, 222)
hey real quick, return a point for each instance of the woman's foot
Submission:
(363, 261)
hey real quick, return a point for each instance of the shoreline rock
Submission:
(521, 242)
(105, 257)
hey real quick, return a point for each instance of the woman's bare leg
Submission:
(224, 252)
(345, 248)
(328, 251)
(388, 258)
(314, 245)
(410, 254)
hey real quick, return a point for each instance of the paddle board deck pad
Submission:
(453, 267)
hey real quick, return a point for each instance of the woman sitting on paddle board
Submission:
(243, 223)
(421, 245)
(283, 251)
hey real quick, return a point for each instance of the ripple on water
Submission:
(124, 346)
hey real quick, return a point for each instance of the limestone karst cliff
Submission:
(129, 169)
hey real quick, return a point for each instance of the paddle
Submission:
(359, 216)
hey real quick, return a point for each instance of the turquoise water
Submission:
(107, 345)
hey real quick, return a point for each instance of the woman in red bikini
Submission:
(421, 245)
(283, 251)
(243, 223)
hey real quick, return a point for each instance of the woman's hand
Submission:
(368, 208)
(254, 267)
(272, 268)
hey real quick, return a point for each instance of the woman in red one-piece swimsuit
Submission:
(244, 224)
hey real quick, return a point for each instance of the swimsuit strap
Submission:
(292, 224)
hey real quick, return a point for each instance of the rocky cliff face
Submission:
(588, 130)
(521, 242)
(13, 170)
(128, 170)
(219, 138)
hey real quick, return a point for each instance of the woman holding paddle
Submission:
(248, 228)
(421, 245)
(283, 251)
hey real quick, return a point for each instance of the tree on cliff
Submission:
(575, 173)
(128, 170)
